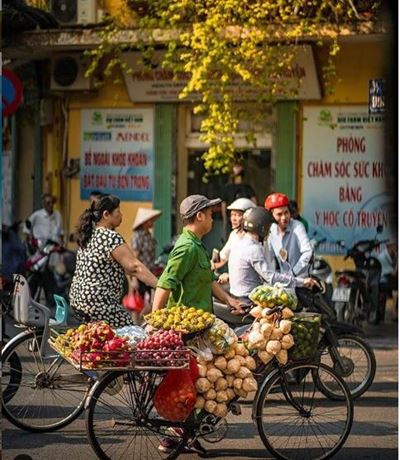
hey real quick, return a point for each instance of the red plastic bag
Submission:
(194, 369)
(133, 301)
(176, 395)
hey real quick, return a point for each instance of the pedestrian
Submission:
(287, 241)
(294, 212)
(188, 275)
(237, 209)
(248, 267)
(144, 248)
(103, 258)
(45, 224)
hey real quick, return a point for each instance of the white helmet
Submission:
(241, 204)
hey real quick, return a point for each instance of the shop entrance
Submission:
(257, 168)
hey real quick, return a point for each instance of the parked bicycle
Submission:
(41, 392)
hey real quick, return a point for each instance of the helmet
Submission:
(241, 204)
(276, 200)
(257, 220)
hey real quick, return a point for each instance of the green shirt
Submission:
(188, 268)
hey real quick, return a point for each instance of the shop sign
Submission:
(161, 85)
(117, 153)
(377, 96)
(344, 175)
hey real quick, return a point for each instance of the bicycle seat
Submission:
(222, 311)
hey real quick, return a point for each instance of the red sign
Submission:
(11, 92)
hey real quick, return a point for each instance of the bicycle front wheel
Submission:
(40, 394)
(122, 423)
(296, 420)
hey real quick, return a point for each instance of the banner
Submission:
(117, 153)
(344, 187)
(161, 85)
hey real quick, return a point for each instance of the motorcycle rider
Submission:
(287, 241)
(237, 209)
(248, 266)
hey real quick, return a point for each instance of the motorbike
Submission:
(341, 345)
(356, 297)
(321, 269)
(49, 271)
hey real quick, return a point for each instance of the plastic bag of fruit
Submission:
(133, 334)
(305, 332)
(220, 337)
(176, 395)
(272, 296)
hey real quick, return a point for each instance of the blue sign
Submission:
(117, 153)
(376, 96)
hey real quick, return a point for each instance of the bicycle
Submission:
(41, 392)
(293, 417)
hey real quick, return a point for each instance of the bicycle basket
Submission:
(305, 331)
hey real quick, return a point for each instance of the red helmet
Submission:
(276, 200)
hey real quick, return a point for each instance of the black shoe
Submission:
(195, 446)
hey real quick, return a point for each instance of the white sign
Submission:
(344, 188)
(117, 153)
(158, 84)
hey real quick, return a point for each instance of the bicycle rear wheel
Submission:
(40, 394)
(296, 420)
(359, 366)
(122, 423)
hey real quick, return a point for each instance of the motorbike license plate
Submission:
(341, 295)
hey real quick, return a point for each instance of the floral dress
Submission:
(98, 281)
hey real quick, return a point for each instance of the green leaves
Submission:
(228, 47)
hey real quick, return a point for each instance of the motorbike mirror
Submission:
(379, 228)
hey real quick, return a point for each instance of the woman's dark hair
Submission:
(93, 214)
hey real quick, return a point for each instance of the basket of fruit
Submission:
(96, 346)
(305, 331)
(189, 321)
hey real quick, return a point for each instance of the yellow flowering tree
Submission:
(226, 47)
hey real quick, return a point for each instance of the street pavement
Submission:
(374, 433)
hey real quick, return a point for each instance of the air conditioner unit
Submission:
(67, 73)
(70, 12)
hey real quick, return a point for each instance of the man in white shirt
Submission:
(46, 223)
(287, 240)
(248, 267)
